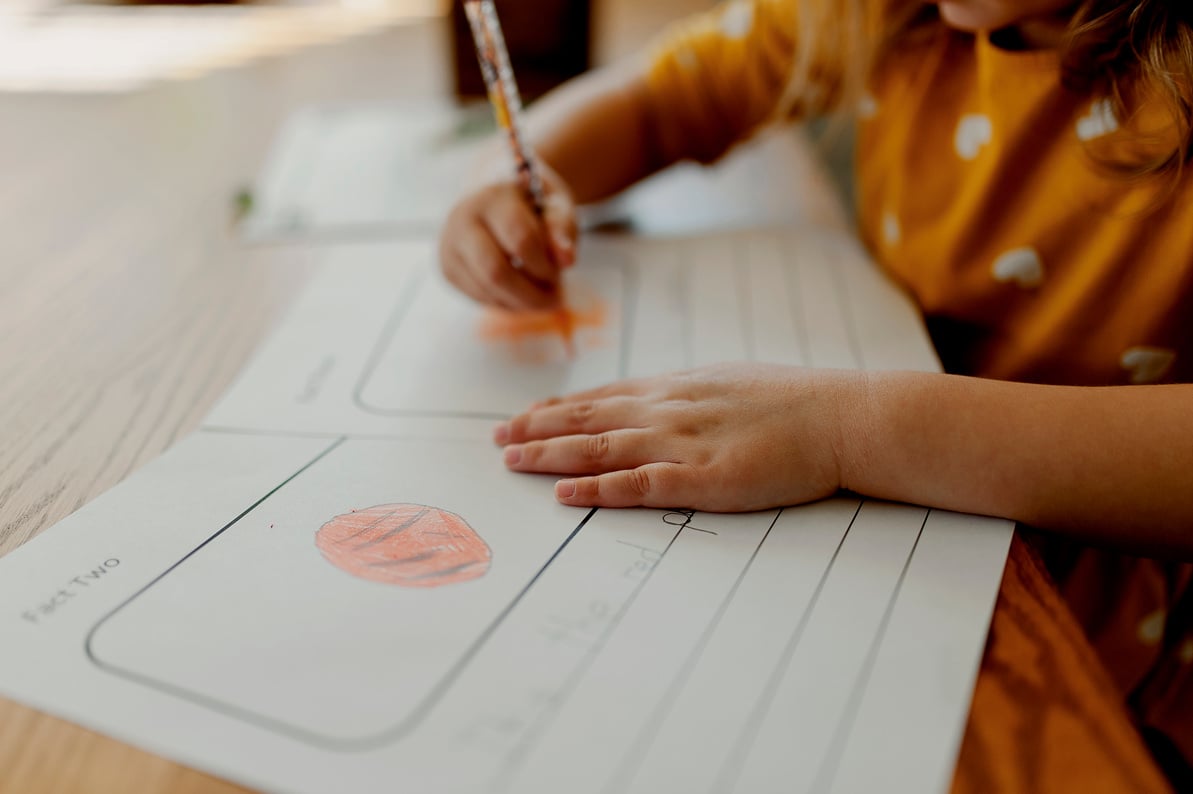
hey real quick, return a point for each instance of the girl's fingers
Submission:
(456, 272)
(559, 216)
(520, 234)
(498, 250)
(628, 388)
(576, 418)
(488, 265)
(584, 454)
(666, 485)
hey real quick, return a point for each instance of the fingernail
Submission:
(564, 248)
(565, 489)
(501, 434)
(513, 455)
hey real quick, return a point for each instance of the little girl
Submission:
(1022, 172)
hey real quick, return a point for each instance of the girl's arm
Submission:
(598, 132)
(711, 82)
(1107, 465)
(594, 136)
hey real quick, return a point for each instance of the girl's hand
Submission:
(495, 249)
(727, 438)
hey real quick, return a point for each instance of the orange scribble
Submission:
(517, 328)
(404, 544)
(567, 329)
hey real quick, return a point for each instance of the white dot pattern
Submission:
(1020, 266)
(1147, 364)
(1098, 122)
(737, 20)
(1151, 628)
(867, 107)
(892, 232)
(973, 132)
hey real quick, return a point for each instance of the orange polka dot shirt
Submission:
(982, 189)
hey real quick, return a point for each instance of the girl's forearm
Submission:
(597, 132)
(1107, 465)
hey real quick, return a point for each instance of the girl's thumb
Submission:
(559, 217)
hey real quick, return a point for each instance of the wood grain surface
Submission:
(127, 305)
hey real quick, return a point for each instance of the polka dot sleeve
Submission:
(714, 79)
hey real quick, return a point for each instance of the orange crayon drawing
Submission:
(524, 328)
(404, 544)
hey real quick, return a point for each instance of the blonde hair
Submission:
(857, 33)
(1129, 51)
(1125, 50)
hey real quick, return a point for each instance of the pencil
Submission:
(498, 74)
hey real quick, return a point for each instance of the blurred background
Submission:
(114, 45)
(165, 112)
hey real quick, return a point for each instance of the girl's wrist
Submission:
(870, 420)
(849, 410)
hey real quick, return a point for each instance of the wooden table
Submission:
(126, 307)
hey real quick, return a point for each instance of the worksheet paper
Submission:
(335, 585)
(338, 172)
(360, 168)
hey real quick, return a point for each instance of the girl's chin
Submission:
(962, 16)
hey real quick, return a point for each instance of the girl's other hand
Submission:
(727, 438)
(496, 250)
